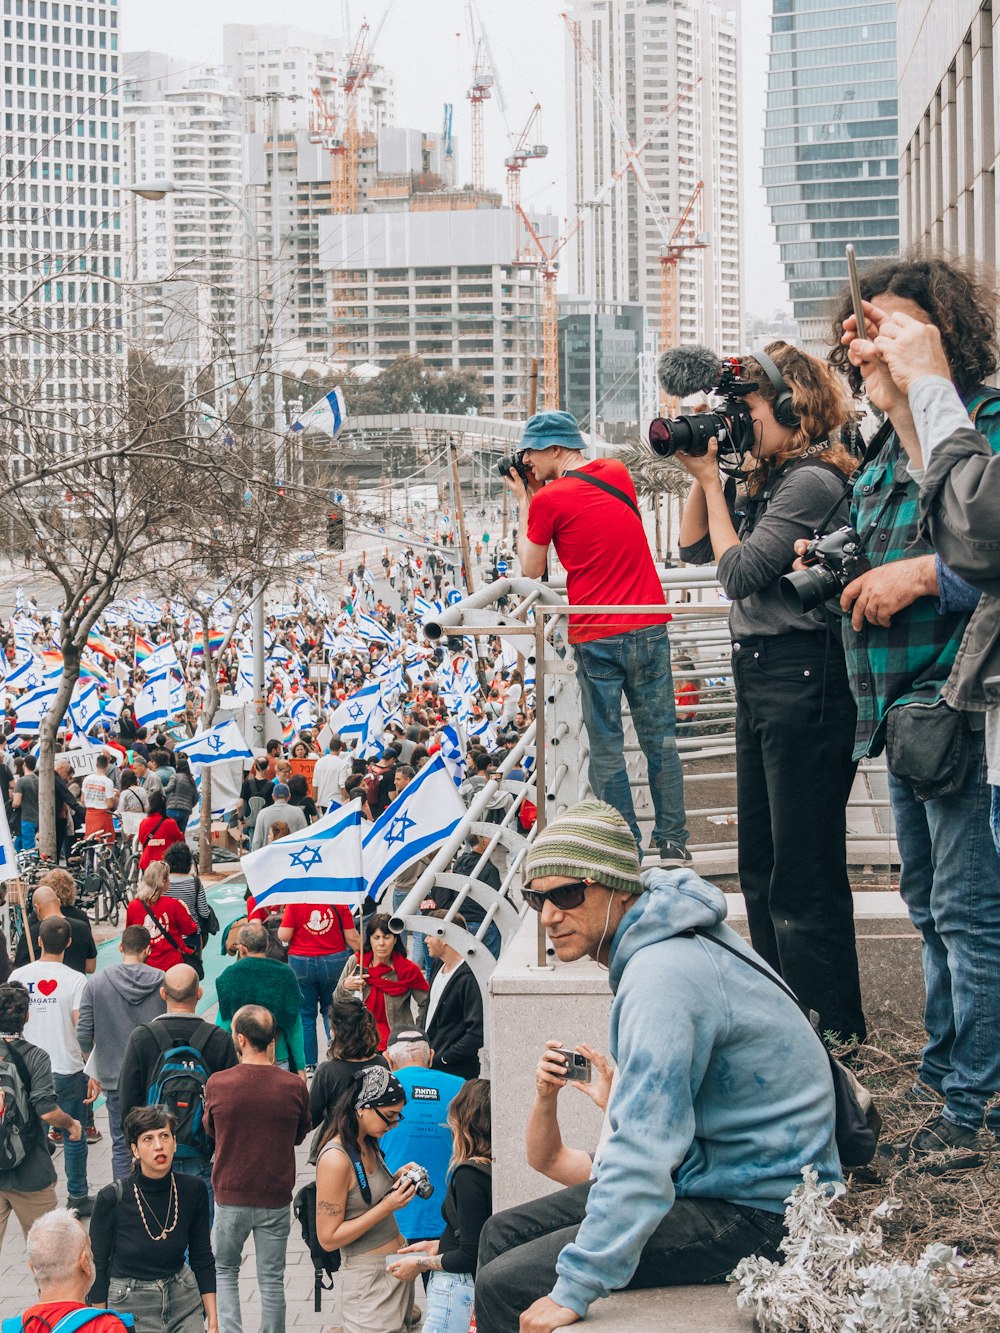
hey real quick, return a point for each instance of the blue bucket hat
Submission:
(546, 429)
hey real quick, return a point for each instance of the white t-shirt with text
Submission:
(56, 991)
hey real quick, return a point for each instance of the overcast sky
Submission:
(425, 46)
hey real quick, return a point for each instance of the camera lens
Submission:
(805, 589)
(685, 435)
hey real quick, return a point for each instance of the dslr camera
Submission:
(834, 561)
(731, 424)
(514, 463)
(421, 1179)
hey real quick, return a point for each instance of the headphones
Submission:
(784, 412)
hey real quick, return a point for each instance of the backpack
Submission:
(69, 1323)
(18, 1122)
(178, 1083)
(304, 1208)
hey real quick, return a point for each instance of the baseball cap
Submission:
(546, 429)
(406, 1032)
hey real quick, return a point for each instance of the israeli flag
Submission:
(354, 715)
(28, 675)
(483, 732)
(321, 866)
(424, 609)
(372, 630)
(301, 713)
(327, 415)
(8, 857)
(160, 661)
(453, 752)
(31, 709)
(85, 705)
(221, 745)
(159, 699)
(142, 611)
(423, 815)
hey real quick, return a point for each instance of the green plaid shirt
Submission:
(912, 658)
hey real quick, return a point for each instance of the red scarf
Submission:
(397, 977)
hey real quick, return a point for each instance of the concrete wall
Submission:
(570, 1002)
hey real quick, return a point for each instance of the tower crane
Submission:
(480, 91)
(684, 237)
(545, 260)
(523, 152)
(338, 133)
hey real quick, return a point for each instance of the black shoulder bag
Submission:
(858, 1123)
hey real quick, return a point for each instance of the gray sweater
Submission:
(117, 1000)
(749, 572)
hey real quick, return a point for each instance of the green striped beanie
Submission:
(589, 841)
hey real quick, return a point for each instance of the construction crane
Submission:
(447, 144)
(338, 133)
(545, 260)
(671, 234)
(480, 91)
(523, 152)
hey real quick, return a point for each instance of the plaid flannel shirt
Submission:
(911, 659)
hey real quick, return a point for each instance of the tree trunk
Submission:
(50, 724)
(208, 711)
(205, 828)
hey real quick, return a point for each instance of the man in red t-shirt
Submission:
(589, 512)
(320, 939)
(62, 1265)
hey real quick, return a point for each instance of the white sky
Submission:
(424, 44)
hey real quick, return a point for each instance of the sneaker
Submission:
(55, 1136)
(310, 1070)
(927, 1148)
(83, 1206)
(94, 1135)
(672, 855)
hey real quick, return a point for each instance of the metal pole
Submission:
(463, 536)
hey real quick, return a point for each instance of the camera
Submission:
(732, 425)
(421, 1179)
(514, 463)
(835, 560)
(578, 1069)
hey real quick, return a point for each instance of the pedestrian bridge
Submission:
(429, 429)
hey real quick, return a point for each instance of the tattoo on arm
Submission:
(331, 1209)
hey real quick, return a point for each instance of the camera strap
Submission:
(605, 486)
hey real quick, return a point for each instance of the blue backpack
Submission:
(69, 1323)
(178, 1084)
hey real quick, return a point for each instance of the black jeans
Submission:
(795, 719)
(699, 1241)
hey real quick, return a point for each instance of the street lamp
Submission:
(156, 190)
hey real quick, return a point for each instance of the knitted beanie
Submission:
(591, 841)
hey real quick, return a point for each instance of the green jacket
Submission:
(267, 982)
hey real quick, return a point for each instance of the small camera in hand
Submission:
(578, 1068)
(514, 463)
(835, 560)
(421, 1180)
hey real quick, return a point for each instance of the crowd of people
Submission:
(896, 653)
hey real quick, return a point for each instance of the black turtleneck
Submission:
(122, 1249)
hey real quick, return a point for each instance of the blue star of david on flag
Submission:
(305, 858)
(355, 712)
(397, 830)
(214, 743)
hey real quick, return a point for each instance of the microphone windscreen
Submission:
(686, 370)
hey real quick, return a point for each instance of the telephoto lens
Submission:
(686, 435)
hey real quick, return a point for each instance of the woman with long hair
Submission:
(795, 714)
(357, 1197)
(166, 918)
(467, 1206)
(157, 831)
(147, 1230)
(389, 983)
(353, 1042)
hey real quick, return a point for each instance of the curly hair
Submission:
(958, 300)
(819, 402)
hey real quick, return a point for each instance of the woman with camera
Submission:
(357, 1198)
(467, 1206)
(795, 714)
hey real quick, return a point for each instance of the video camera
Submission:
(686, 370)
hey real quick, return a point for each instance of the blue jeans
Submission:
(950, 881)
(317, 978)
(180, 817)
(269, 1227)
(636, 664)
(70, 1090)
(25, 840)
(201, 1167)
(449, 1303)
(121, 1156)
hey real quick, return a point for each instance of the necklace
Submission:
(171, 1203)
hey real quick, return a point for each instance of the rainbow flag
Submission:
(216, 638)
(143, 649)
(53, 664)
(90, 670)
(99, 644)
(287, 732)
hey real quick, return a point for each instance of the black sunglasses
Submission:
(398, 1119)
(564, 898)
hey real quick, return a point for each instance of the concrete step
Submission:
(671, 1310)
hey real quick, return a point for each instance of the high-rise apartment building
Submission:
(650, 54)
(949, 126)
(186, 253)
(60, 251)
(831, 153)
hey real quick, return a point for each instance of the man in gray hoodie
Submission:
(117, 1000)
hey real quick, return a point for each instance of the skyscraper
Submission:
(60, 243)
(650, 54)
(830, 150)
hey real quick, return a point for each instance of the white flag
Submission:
(319, 866)
(8, 857)
(422, 816)
(220, 745)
